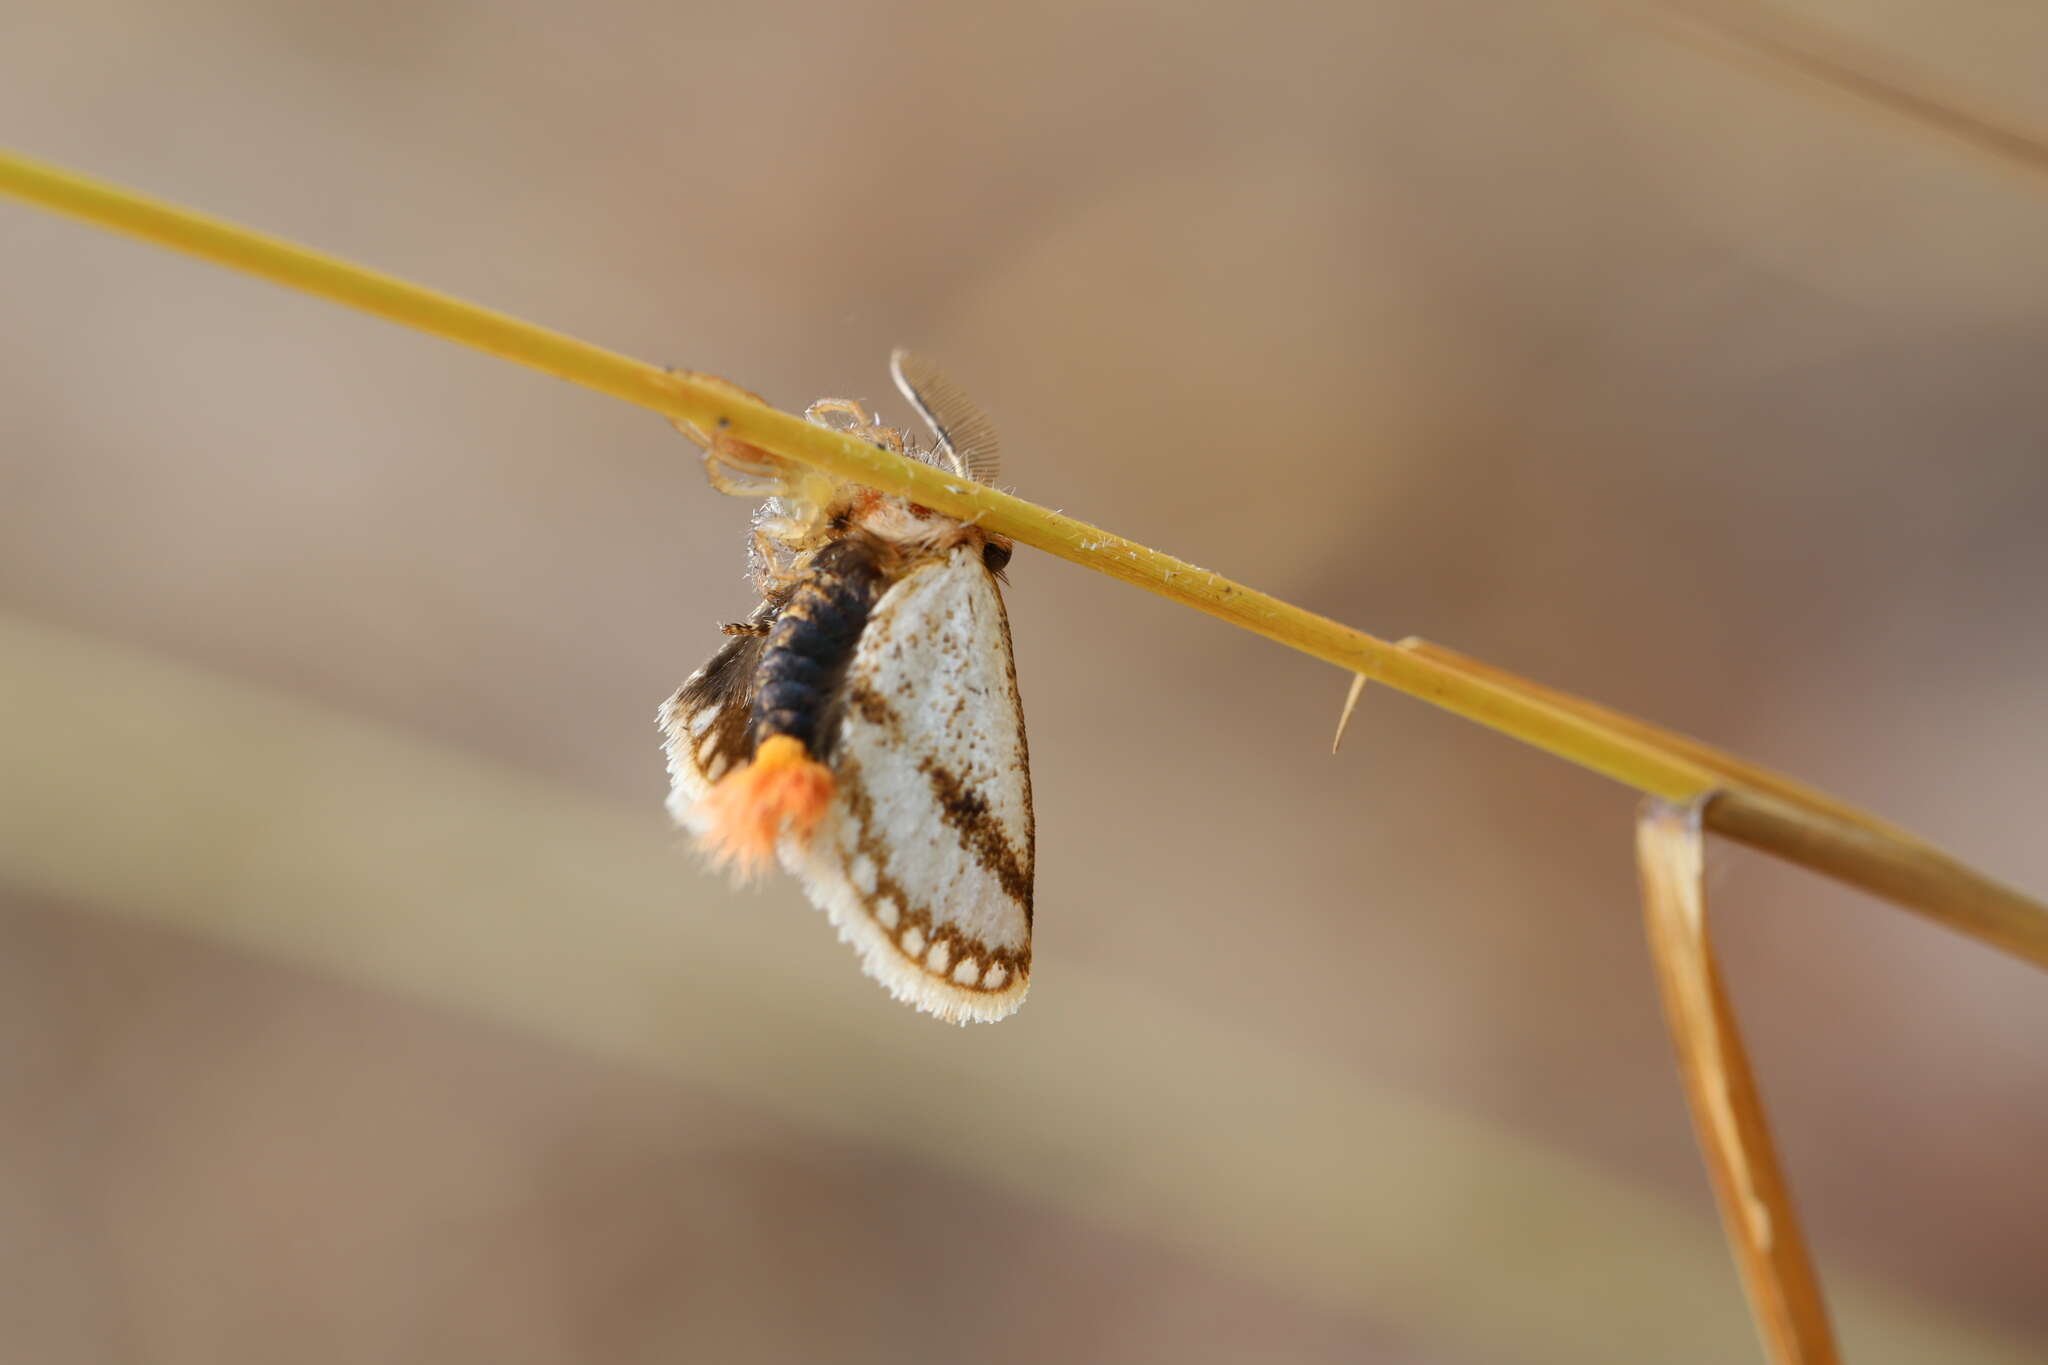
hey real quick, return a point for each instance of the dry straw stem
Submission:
(1755, 806)
(1781, 45)
(1727, 1113)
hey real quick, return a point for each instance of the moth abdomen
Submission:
(812, 641)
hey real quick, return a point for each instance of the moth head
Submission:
(914, 533)
(803, 511)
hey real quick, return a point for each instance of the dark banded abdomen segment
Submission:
(807, 651)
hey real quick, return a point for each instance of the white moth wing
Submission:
(925, 865)
(707, 726)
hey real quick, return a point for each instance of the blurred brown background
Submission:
(355, 1003)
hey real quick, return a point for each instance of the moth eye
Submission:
(996, 557)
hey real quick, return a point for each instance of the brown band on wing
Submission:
(1016, 962)
(966, 810)
(873, 707)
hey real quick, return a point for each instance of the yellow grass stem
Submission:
(1803, 825)
(1727, 1111)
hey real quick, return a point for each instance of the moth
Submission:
(862, 728)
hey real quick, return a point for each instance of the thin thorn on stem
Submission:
(1358, 681)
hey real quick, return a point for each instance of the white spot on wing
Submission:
(694, 762)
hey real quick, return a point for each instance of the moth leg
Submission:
(853, 418)
(733, 466)
(747, 471)
(774, 551)
(840, 414)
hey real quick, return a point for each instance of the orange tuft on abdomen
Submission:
(783, 792)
